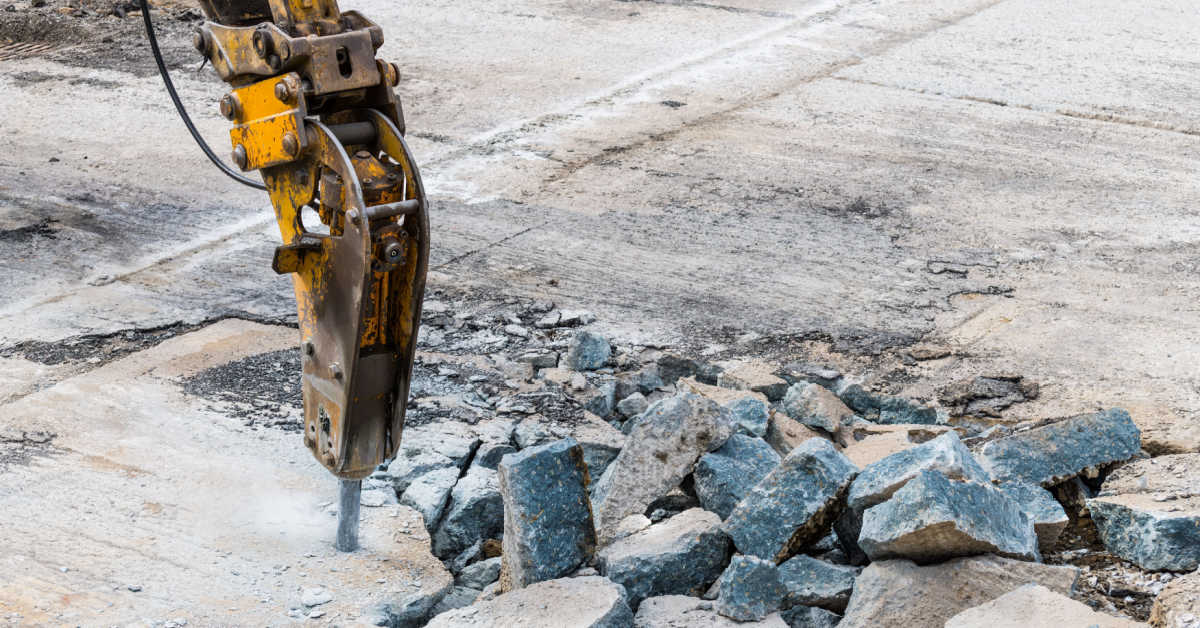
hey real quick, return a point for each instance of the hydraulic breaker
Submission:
(313, 110)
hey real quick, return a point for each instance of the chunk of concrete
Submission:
(632, 405)
(587, 351)
(1178, 604)
(600, 441)
(475, 512)
(548, 529)
(867, 443)
(750, 589)
(932, 518)
(815, 406)
(945, 454)
(428, 494)
(1059, 451)
(681, 611)
(901, 593)
(1049, 518)
(794, 505)
(813, 582)
(405, 468)
(457, 597)
(888, 409)
(684, 554)
(754, 375)
(1148, 512)
(479, 575)
(660, 452)
(810, 617)
(796, 372)
(723, 477)
(587, 602)
(785, 433)
(1035, 606)
(750, 409)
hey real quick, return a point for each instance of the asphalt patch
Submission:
(260, 390)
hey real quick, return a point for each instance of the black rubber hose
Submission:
(187, 120)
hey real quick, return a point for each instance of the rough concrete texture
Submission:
(750, 589)
(1035, 606)
(1056, 452)
(548, 529)
(1178, 605)
(794, 505)
(1049, 518)
(681, 611)
(867, 443)
(723, 477)
(754, 375)
(661, 451)
(1148, 512)
(587, 602)
(814, 582)
(750, 409)
(933, 518)
(684, 554)
(901, 593)
(815, 406)
(785, 433)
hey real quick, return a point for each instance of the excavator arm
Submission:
(314, 111)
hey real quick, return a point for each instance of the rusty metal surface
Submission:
(314, 111)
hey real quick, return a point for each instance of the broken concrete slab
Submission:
(428, 494)
(814, 582)
(660, 451)
(587, 351)
(901, 593)
(1049, 518)
(945, 454)
(475, 512)
(589, 602)
(866, 443)
(681, 611)
(987, 395)
(754, 375)
(723, 477)
(1178, 604)
(887, 409)
(404, 469)
(684, 554)
(750, 409)
(1035, 606)
(932, 518)
(479, 575)
(815, 406)
(794, 505)
(548, 529)
(1057, 452)
(1148, 512)
(785, 433)
(796, 372)
(749, 589)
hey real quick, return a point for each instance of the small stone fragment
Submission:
(810, 617)
(813, 582)
(540, 359)
(933, 518)
(815, 406)
(1059, 451)
(796, 372)
(475, 511)
(723, 477)
(428, 494)
(548, 529)
(750, 589)
(1035, 606)
(681, 611)
(479, 575)
(600, 399)
(587, 602)
(755, 375)
(684, 554)
(457, 597)
(900, 593)
(880, 408)
(671, 367)
(315, 596)
(587, 351)
(749, 409)
(1049, 518)
(660, 451)
(632, 405)
(794, 504)
(1148, 512)
(785, 433)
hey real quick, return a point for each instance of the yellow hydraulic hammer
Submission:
(314, 112)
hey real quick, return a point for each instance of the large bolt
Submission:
(261, 43)
(283, 92)
(229, 106)
(395, 74)
(335, 369)
(352, 216)
(239, 156)
(394, 252)
(200, 41)
(309, 348)
(291, 145)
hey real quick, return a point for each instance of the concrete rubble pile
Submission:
(614, 488)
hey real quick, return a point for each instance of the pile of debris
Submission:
(594, 487)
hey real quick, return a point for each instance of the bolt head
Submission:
(282, 91)
(229, 106)
(352, 216)
(291, 145)
(239, 156)
(200, 41)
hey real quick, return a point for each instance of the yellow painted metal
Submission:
(265, 122)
